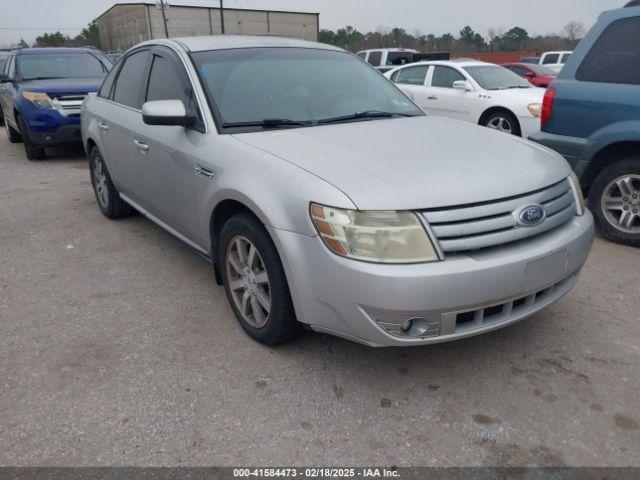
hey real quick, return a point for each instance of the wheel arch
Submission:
(496, 109)
(608, 155)
(221, 213)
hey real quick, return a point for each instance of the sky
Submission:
(30, 18)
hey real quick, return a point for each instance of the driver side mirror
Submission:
(462, 85)
(166, 112)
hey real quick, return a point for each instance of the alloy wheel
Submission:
(248, 281)
(100, 182)
(501, 123)
(621, 203)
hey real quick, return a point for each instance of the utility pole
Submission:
(222, 15)
(164, 6)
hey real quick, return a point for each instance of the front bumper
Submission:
(49, 127)
(529, 125)
(464, 295)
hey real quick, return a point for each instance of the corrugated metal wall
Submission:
(126, 25)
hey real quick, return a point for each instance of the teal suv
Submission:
(591, 115)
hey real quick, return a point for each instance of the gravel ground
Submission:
(117, 348)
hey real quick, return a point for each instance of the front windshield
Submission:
(493, 77)
(61, 65)
(542, 70)
(302, 85)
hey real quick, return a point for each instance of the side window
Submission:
(550, 59)
(412, 75)
(375, 58)
(127, 90)
(362, 55)
(565, 58)
(518, 70)
(444, 77)
(615, 56)
(107, 83)
(167, 83)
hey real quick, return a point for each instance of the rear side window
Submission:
(130, 79)
(444, 77)
(551, 59)
(105, 88)
(375, 58)
(411, 75)
(615, 56)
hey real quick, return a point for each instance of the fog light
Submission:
(406, 324)
(48, 138)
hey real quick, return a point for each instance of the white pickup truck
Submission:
(555, 60)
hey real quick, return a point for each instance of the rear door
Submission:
(165, 168)
(412, 80)
(120, 117)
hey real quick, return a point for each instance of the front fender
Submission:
(276, 191)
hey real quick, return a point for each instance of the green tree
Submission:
(23, 44)
(52, 40)
(91, 34)
(514, 39)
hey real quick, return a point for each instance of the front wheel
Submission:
(614, 199)
(34, 151)
(504, 122)
(255, 281)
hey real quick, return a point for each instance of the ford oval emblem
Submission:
(530, 216)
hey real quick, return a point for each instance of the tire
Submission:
(620, 184)
(108, 198)
(265, 281)
(34, 151)
(503, 121)
(12, 134)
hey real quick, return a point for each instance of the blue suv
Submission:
(591, 115)
(41, 93)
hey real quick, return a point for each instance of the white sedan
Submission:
(473, 91)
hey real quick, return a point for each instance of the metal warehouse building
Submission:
(125, 25)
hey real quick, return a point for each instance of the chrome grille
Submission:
(490, 224)
(68, 103)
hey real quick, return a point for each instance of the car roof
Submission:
(227, 42)
(410, 50)
(52, 50)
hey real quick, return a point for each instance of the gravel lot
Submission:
(117, 348)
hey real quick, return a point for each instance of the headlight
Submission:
(535, 109)
(40, 100)
(581, 203)
(375, 236)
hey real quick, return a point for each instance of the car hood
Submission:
(415, 163)
(63, 85)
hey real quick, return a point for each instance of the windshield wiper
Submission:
(268, 123)
(367, 114)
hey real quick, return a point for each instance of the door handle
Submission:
(103, 126)
(141, 145)
(432, 97)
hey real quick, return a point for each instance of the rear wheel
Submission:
(34, 151)
(109, 201)
(255, 281)
(503, 121)
(12, 134)
(614, 198)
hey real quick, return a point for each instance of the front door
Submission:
(165, 169)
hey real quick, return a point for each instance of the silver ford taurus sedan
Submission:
(326, 199)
